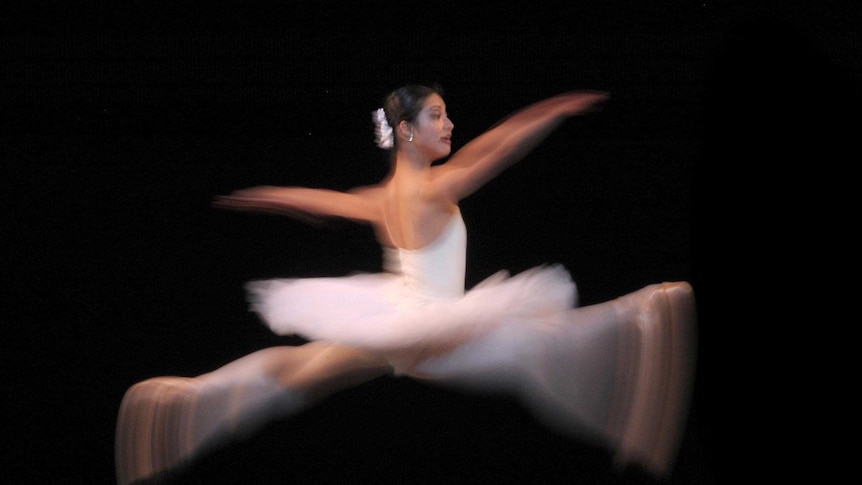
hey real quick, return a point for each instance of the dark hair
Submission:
(405, 103)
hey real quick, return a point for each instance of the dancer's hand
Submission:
(580, 102)
(261, 197)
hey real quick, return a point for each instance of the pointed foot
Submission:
(656, 374)
(150, 427)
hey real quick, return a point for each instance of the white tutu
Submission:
(379, 312)
(417, 308)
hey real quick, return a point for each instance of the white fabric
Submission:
(419, 302)
(436, 270)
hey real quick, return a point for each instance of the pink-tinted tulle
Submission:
(378, 312)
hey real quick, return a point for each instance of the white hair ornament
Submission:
(382, 131)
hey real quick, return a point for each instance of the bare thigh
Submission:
(321, 368)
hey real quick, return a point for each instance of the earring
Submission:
(410, 138)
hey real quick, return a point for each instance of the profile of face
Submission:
(432, 128)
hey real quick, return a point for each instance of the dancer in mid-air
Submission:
(617, 373)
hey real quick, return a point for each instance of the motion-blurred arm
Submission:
(300, 201)
(509, 141)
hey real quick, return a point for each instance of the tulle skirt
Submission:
(381, 313)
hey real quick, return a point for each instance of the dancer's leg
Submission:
(617, 372)
(166, 422)
(659, 363)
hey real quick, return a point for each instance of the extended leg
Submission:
(618, 373)
(166, 422)
(631, 371)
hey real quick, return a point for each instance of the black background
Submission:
(121, 121)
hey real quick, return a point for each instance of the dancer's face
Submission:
(432, 130)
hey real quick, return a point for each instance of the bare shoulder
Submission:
(371, 197)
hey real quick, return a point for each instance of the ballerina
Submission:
(617, 373)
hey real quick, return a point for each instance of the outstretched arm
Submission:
(509, 141)
(301, 202)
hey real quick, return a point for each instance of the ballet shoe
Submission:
(654, 376)
(150, 436)
(165, 423)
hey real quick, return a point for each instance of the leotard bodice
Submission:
(437, 269)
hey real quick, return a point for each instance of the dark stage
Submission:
(121, 121)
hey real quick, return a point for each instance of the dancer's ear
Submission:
(405, 130)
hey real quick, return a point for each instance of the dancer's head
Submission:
(415, 110)
(405, 103)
